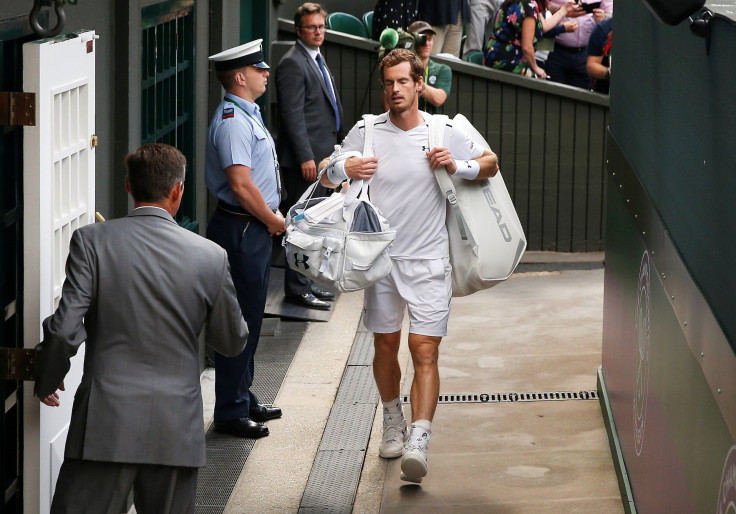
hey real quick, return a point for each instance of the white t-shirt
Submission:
(404, 187)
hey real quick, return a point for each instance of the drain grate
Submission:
(333, 480)
(226, 455)
(513, 397)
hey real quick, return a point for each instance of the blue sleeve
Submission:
(234, 141)
(555, 31)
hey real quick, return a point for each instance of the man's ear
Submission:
(177, 192)
(127, 185)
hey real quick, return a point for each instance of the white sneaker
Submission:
(393, 440)
(414, 464)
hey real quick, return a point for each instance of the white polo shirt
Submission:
(404, 187)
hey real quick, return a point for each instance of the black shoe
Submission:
(309, 301)
(263, 413)
(242, 427)
(323, 295)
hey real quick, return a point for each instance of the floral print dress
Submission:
(503, 51)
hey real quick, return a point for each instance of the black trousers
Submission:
(568, 67)
(248, 247)
(94, 487)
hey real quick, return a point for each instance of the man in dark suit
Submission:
(138, 290)
(310, 116)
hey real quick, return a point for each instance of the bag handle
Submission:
(359, 188)
(437, 123)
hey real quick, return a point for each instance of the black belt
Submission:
(232, 212)
(571, 49)
(240, 216)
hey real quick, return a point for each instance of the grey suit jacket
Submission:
(307, 125)
(139, 290)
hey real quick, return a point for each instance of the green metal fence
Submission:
(167, 88)
(550, 138)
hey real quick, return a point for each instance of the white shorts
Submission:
(425, 286)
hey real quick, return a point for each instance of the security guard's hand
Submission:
(277, 224)
(309, 170)
(361, 168)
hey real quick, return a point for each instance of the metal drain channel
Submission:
(513, 397)
(335, 475)
(226, 455)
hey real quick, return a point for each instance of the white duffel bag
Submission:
(485, 234)
(341, 241)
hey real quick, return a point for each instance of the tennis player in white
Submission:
(405, 190)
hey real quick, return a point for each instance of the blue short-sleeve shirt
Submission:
(237, 136)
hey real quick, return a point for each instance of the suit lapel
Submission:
(315, 69)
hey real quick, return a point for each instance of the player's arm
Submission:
(479, 168)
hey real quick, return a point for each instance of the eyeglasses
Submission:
(313, 28)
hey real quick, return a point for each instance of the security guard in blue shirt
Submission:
(241, 170)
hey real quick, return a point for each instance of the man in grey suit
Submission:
(138, 290)
(310, 125)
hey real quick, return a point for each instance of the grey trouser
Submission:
(86, 486)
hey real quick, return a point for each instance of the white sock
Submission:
(393, 414)
(422, 424)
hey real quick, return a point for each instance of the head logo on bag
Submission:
(499, 216)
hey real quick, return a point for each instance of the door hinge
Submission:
(17, 108)
(17, 364)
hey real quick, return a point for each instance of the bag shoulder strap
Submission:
(359, 188)
(437, 123)
(369, 120)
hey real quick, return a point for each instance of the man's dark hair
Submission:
(153, 171)
(227, 78)
(399, 55)
(307, 9)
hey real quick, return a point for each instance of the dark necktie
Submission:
(328, 82)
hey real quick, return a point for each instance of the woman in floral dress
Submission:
(519, 25)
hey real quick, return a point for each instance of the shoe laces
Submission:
(393, 433)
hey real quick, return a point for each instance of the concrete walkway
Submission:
(537, 332)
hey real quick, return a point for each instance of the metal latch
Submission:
(17, 364)
(17, 108)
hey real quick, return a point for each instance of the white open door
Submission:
(58, 198)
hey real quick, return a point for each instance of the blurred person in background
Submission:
(520, 24)
(446, 18)
(567, 63)
(599, 56)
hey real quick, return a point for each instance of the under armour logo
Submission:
(302, 261)
(425, 148)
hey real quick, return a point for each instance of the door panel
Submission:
(59, 164)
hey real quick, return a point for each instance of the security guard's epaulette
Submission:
(228, 112)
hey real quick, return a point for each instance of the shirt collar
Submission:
(152, 207)
(250, 107)
(312, 52)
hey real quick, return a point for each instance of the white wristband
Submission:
(336, 173)
(468, 170)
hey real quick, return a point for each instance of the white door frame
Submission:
(58, 198)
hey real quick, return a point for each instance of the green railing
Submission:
(550, 139)
(167, 89)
